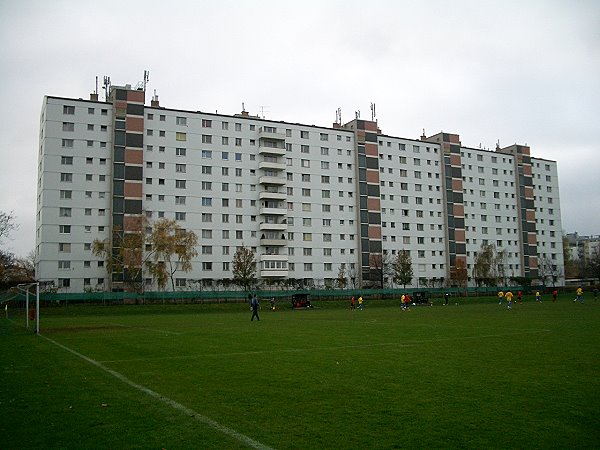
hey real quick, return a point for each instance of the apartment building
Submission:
(308, 200)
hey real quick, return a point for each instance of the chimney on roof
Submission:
(154, 102)
(94, 96)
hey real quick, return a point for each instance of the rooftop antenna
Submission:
(96, 91)
(357, 114)
(339, 115)
(106, 87)
(243, 107)
(262, 110)
(373, 111)
(142, 84)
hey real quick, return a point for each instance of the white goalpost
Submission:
(26, 287)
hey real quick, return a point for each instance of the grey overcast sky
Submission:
(524, 72)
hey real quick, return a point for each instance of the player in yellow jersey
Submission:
(579, 295)
(509, 297)
(500, 297)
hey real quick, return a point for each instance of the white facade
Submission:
(288, 191)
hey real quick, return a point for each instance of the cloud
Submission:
(524, 72)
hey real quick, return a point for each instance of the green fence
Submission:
(236, 296)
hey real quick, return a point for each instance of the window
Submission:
(66, 160)
(180, 184)
(67, 143)
(181, 121)
(65, 212)
(206, 139)
(69, 110)
(64, 229)
(66, 177)
(180, 168)
(179, 216)
(180, 136)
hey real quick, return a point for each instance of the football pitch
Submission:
(473, 375)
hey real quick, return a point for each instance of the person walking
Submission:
(554, 295)
(520, 297)
(360, 302)
(255, 305)
(352, 304)
(500, 297)
(538, 297)
(446, 298)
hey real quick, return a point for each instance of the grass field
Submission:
(474, 375)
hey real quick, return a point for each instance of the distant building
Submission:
(582, 247)
(313, 202)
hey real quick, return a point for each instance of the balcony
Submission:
(281, 258)
(268, 226)
(273, 211)
(262, 150)
(273, 242)
(268, 195)
(271, 165)
(270, 133)
(272, 180)
(273, 273)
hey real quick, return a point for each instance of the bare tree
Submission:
(124, 256)
(244, 268)
(7, 224)
(173, 249)
(402, 269)
(459, 273)
(341, 280)
(484, 269)
(381, 267)
(352, 274)
(594, 263)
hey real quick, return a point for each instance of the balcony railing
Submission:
(265, 179)
(270, 133)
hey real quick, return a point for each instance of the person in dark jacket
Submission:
(255, 305)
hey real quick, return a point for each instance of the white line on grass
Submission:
(339, 347)
(167, 401)
(152, 330)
